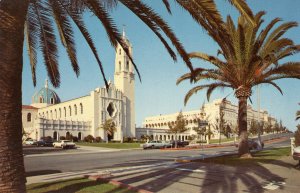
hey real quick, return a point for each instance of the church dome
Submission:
(46, 95)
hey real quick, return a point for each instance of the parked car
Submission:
(44, 143)
(296, 154)
(30, 141)
(253, 144)
(64, 144)
(155, 144)
(179, 143)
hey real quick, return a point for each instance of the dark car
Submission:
(44, 143)
(179, 143)
(253, 144)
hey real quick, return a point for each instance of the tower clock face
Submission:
(111, 109)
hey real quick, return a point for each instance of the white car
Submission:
(155, 144)
(64, 144)
(30, 141)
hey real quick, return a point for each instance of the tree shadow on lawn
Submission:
(73, 185)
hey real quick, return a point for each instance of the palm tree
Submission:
(248, 58)
(37, 16)
(109, 127)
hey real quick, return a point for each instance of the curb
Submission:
(104, 178)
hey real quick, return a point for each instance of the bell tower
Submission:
(124, 81)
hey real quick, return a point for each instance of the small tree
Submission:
(220, 125)
(109, 127)
(179, 127)
(253, 127)
(227, 131)
(297, 136)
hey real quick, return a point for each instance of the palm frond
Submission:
(47, 40)
(66, 33)
(76, 17)
(167, 5)
(156, 23)
(32, 34)
(214, 86)
(244, 9)
(270, 82)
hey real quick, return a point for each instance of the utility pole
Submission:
(258, 115)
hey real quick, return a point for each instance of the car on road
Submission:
(155, 145)
(30, 141)
(64, 144)
(45, 143)
(296, 154)
(179, 143)
(253, 144)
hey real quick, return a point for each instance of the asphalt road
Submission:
(78, 161)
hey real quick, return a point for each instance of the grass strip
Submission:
(264, 156)
(76, 185)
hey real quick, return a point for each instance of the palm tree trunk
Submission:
(12, 172)
(242, 123)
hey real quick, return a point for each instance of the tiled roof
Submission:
(28, 107)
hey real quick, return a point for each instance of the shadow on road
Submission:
(41, 172)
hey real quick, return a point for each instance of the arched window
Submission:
(51, 117)
(120, 51)
(75, 109)
(41, 99)
(59, 113)
(52, 100)
(81, 108)
(70, 110)
(55, 135)
(127, 65)
(79, 136)
(55, 114)
(65, 111)
(29, 117)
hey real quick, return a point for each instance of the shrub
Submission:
(62, 138)
(89, 139)
(127, 139)
(98, 139)
(75, 139)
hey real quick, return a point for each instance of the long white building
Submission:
(158, 126)
(84, 115)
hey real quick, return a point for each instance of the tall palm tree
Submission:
(248, 58)
(298, 114)
(35, 19)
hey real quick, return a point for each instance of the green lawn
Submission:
(111, 145)
(78, 185)
(222, 140)
(264, 156)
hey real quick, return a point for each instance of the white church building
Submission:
(84, 115)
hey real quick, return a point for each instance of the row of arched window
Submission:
(62, 112)
(170, 123)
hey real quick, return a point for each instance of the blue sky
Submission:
(158, 93)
